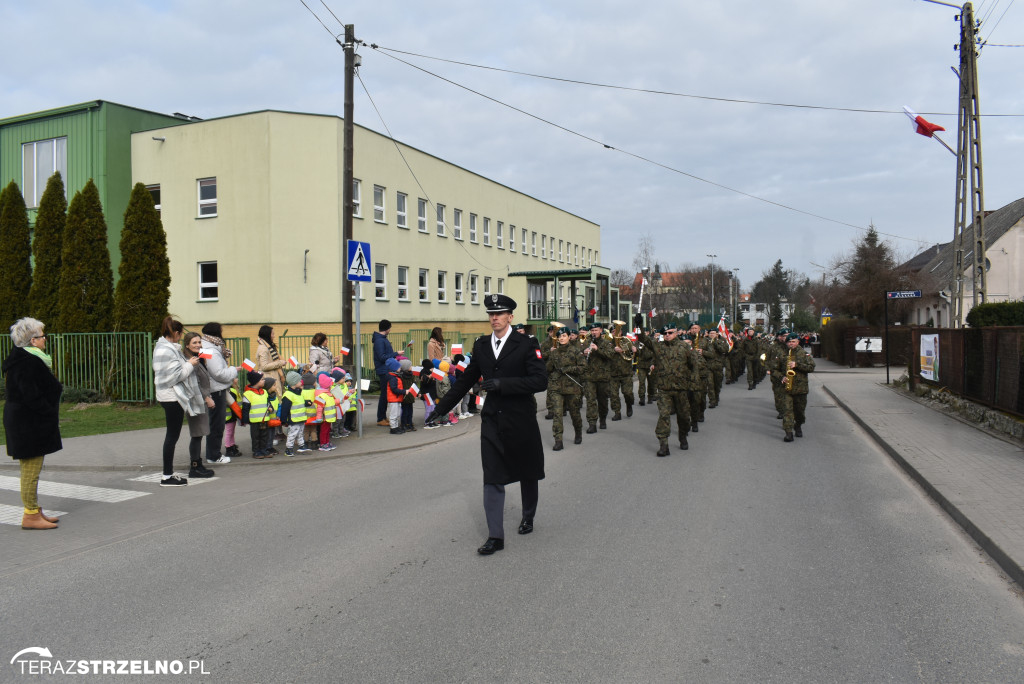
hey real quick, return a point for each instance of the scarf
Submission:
(219, 343)
(43, 356)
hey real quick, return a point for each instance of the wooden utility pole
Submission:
(968, 165)
(347, 182)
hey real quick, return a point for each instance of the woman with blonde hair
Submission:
(31, 414)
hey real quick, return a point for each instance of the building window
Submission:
(523, 231)
(208, 281)
(543, 246)
(533, 243)
(501, 286)
(154, 192)
(487, 232)
(442, 286)
(472, 227)
(207, 196)
(487, 285)
(424, 285)
(39, 161)
(576, 254)
(590, 257)
(380, 281)
(403, 283)
(511, 238)
(458, 288)
(499, 236)
(473, 294)
(597, 258)
(357, 207)
(421, 215)
(440, 221)
(457, 224)
(402, 210)
(560, 251)
(378, 204)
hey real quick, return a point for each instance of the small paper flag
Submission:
(430, 402)
(414, 390)
(462, 365)
(479, 400)
(456, 349)
(344, 351)
(438, 374)
(416, 370)
(248, 365)
(294, 361)
(205, 355)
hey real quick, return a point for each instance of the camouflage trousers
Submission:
(752, 372)
(550, 400)
(794, 410)
(645, 385)
(698, 402)
(597, 400)
(622, 384)
(669, 402)
(714, 385)
(778, 391)
(561, 402)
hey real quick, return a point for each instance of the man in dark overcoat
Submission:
(510, 443)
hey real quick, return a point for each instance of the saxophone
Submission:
(787, 382)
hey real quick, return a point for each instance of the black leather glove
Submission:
(491, 385)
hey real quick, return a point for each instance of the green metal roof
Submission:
(561, 273)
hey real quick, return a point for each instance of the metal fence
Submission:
(985, 365)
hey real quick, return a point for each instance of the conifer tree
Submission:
(15, 257)
(143, 287)
(47, 245)
(85, 295)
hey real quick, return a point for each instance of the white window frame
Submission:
(207, 284)
(474, 295)
(402, 210)
(441, 227)
(442, 287)
(524, 242)
(460, 284)
(499, 235)
(150, 188)
(597, 258)
(457, 224)
(487, 285)
(206, 203)
(357, 198)
(533, 243)
(511, 238)
(472, 228)
(402, 283)
(424, 285)
(421, 215)
(487, 232)
(380, 281)
(33, 184)
(379, 193)
(543, 246)
(576, 254)
(560, 243)
(501, 286)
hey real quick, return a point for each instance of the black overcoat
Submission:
(510, 444)
(31, 412)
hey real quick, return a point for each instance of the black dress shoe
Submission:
(490, 546)
(526, 526)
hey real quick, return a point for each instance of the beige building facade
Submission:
(252, 207)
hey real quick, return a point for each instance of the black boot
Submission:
(788, 437)
(798, 432)
(199, 471)
(603, 425)
(663, 451)
(641, 402)
(683, 444)
(549, 416)
(629, 410)
(694, 427)
(579, 436)
(617, 416)
(591, 429)
(558, 445)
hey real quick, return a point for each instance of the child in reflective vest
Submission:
(326, 410)
(293, 415)
(256, 413)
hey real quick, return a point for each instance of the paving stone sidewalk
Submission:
(974, 476)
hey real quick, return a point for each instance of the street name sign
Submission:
(903, 294)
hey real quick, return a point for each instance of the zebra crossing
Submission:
(11, 515)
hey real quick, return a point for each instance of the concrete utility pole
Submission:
(712, 257)
(347, 182)
(968, 162)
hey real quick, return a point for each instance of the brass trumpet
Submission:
(617, 338)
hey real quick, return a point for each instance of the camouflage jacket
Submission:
(675, 364)
(622, 367)
(749, 348)
(599, 361)
(715, 352)
(644, 356)
(566, 369)
(774, 350)
(804, 365)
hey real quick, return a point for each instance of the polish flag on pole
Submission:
(430, 402)
(653, 313)
(723, 330)
(345, 351)
(414, 390)
(456, 349)
(592, 311)
(462, 365)
(293, 361)
(416, 370)
(926, 128)
(248, 365)
(205, 355)
(437, 374)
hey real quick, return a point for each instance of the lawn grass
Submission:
(77, 420)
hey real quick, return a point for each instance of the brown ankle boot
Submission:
(48, 518)
(34, 521)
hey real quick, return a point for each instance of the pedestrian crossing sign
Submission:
(359, 261)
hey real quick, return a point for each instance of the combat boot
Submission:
(788, 437)
(558, 445)
(549, 416)
(683, 444)
(663, 451)
(579, 436)
(694, 427)
(603, 425)
(629, 410)
(617, 416)
(798, 432)
(591, 428)
(641, 403)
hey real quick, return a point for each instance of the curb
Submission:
(1007, 564)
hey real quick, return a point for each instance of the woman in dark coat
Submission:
(31, 414)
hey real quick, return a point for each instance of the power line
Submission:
(1000, 19)
(859, 110)
(318, 19)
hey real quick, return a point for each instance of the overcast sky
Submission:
(212, 58)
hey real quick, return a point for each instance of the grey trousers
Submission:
(494, 505)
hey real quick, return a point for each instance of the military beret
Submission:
(792, 336)
(520, 326)
(499, 303)
(596, 326)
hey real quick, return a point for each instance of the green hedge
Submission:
(996, 313)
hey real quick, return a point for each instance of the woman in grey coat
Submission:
(199, 424)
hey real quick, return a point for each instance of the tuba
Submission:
(617, 338)
(787, 382)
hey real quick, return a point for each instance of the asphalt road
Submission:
(743, 559)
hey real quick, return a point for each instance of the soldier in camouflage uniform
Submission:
(645, 382)
(622, 379)
(566, 367)
(545, 348)
(777, 348)
(794, 404)
(715, 352)
(750, 350)
(675, 365)
(698, 394)
(736, 361)
(599, 357)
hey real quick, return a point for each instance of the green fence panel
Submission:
(239, 347)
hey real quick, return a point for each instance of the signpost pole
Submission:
(356, 354)
(886, 337)
(358, 271)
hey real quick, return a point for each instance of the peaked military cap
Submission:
(499, 303)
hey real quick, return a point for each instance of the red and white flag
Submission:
(293, 361)
(922, 125)
(430, 402)
(456, 349)
(344, 351)
(479, 400)
(462, 365)
(437, 374)
(416, 370)
(631, 337)
(653, 313)
(205, 355)
(248, 365)
(414, 390)
(592, 311)
(723, 330)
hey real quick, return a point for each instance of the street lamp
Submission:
(712, 257)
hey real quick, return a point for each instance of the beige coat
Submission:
(266, 364)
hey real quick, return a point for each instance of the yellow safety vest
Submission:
(298, 413)
(259, 409)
